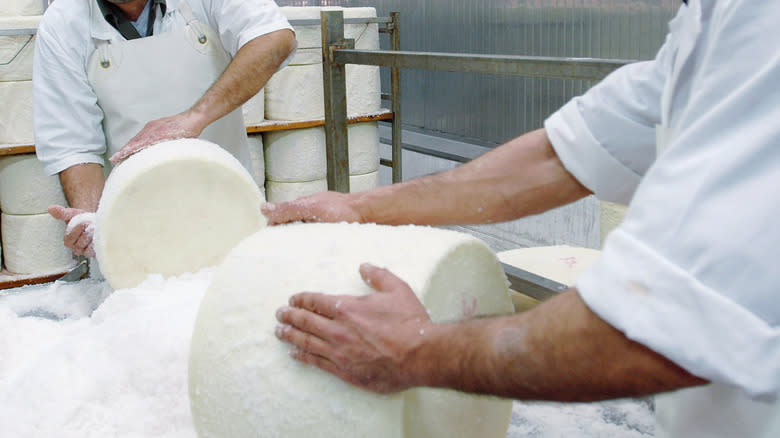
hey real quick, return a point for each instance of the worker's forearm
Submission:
(83, 185)
(248, 72)
(519, 178)
(559, 351)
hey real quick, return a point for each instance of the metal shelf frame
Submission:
(338, 51)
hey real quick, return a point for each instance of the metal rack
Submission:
(338, 51)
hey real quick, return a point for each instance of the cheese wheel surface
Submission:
(25, 188)
(242, 380)
(172, 208)
(32, 244)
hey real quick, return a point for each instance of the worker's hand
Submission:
(181, 125)
(319, 207)
(367, 341)
(80, 228)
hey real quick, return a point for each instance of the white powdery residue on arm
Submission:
(87, 217)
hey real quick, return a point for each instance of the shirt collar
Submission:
(116, 18)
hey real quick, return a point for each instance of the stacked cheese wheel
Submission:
(295, 160)
(31, 238)
(243, 383)
(172, 208)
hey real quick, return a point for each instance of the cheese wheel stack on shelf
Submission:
(295, 160)
(16, 60)
(254, 114)
(31, 237)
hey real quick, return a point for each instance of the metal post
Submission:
(395, 96)
(335, 101)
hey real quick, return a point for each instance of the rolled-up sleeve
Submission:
(241, 21)
(606, 138)
(66, 117)
(692, 271)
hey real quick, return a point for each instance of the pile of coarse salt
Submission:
(121, 371)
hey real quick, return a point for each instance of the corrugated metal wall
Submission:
(492, 109)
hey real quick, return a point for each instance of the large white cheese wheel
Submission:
(257, 157)
(296, 92)
(16, 124)
(363, 141)
(33, 244)
(242, 381)
(561, 263)
(612, 215)
(21, 7)
(295, 155)
(365, 182)
(25, 188)
(366, 36)
(16, 51)
(254, 109)
(290, 191)
(172, 208)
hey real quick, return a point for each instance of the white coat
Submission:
(691, 272)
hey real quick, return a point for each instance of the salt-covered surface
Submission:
(120, 371)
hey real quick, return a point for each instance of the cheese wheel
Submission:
(363, 183)
(242, 381)
(560, 263)
(289, 191)
(366, 36)
(21, 7)
(612, 215)
(172, 208)
(32, 244)
(16, 51)
(254, 109)
(295, 93)
(25, 188)
(295, 156)
(16, 125)
(257, 158)
(363, 141)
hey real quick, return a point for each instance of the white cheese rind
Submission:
(16, 125)
(289, 191)
(295, 156)
(25, 188)
(172, 208)
(16, 51)
(242, 381)
(33, 244)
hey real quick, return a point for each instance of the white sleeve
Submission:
(606, 138)
(692, 271)
(66, 117)
(240, 21)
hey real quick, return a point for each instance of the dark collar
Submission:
(115, 17)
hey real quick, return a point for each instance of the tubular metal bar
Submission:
(335, 102)
(395, 94)
(315, 22)
(15, 32)
(591, 69)
(530, 284)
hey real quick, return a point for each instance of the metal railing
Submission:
(338, 51)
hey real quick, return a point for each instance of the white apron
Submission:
(144, 79)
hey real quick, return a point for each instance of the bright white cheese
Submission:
(172, 208)
(16, 51)
(242, 381)
(33, 244)
(16, 126)
(25, 188)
